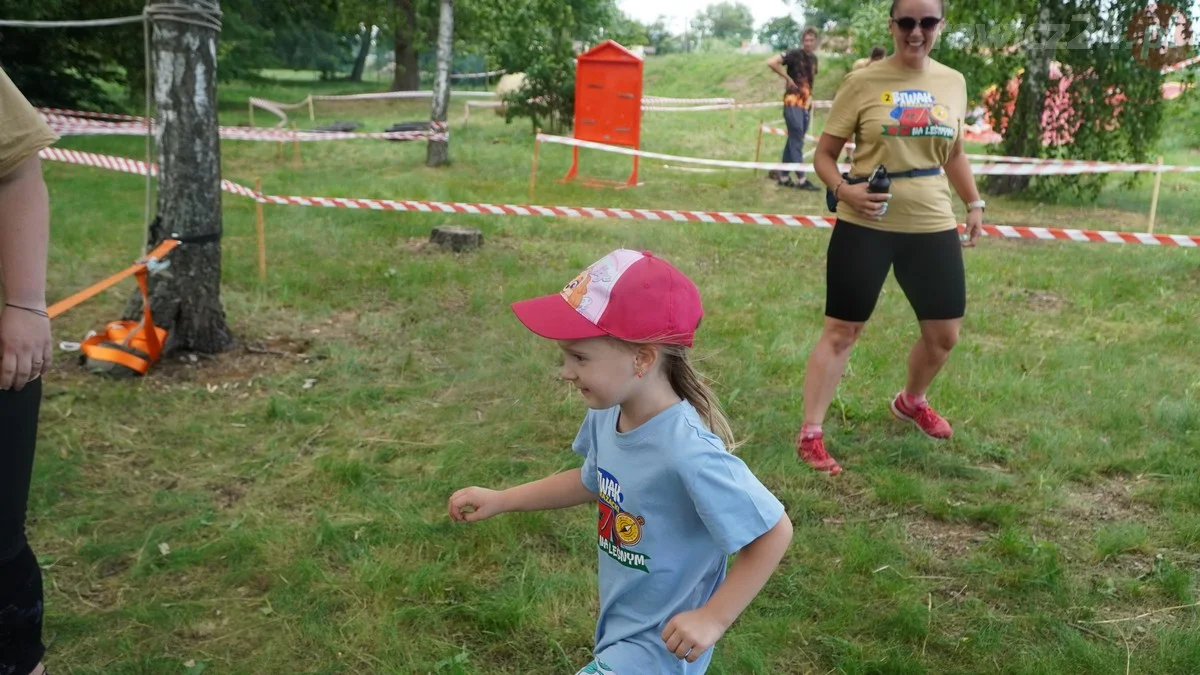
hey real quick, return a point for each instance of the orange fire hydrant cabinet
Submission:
(608, 101)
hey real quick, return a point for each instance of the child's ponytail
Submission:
(690, 385)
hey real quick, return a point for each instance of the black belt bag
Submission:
(831, 201)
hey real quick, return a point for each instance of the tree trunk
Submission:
(438, 152)
(364, 50)
(1023, 135)
(186, 299)
(408, 73)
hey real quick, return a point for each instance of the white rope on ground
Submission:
(649, 104)
(690, 101)
(424, 93)
(1011, 169)
(469, 76)
(479, 104)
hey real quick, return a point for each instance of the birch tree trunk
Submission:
(186, 299)
(438, 152)
(1023, 136)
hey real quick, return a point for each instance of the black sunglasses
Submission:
(926, 23)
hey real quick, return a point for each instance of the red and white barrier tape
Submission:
(273, 108)
(126, 165)
(279, 109)
(663, 215)
(110, 162)
(268, 104)
(95, 115)
(70, 126)
(1010, 169)
(1181, 65)
(280, 136)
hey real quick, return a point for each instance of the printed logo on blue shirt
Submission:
(618, 529)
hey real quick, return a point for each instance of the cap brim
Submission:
(551, 317)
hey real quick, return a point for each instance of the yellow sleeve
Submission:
(22, 130)
(843, 116)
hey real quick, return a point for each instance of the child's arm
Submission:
(552, 492)
(698, 630)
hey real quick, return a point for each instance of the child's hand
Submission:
(689, 634)
(481, 502)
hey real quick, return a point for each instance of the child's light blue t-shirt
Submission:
(674, 504)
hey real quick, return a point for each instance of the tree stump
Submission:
(456, 237)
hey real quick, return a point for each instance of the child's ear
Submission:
(646, 355)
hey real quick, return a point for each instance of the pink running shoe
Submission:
(928, 421)
(811, 449)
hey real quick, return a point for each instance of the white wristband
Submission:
(977, 204)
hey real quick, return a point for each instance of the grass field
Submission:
(281, 508)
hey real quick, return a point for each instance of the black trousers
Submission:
(20, 577)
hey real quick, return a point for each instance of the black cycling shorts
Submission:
(928, 267)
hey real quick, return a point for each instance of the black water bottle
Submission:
(880, 183)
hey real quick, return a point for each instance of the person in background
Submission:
(798, 68)
(25, 353)
(877, 54)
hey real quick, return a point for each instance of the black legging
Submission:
(20, 577)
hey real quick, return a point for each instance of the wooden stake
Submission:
(732, 108)
(758, 148)
(295, 147)
(262, 234)
(251, 105)
(1154, 198)
(312, 114)
(533, 170)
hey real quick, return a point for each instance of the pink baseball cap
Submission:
(628, 295)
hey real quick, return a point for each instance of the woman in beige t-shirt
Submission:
(24, 357)
(906, 112)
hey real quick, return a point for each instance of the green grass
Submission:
(307, 526)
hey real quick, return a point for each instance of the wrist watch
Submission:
(977, 204)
